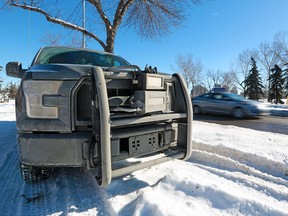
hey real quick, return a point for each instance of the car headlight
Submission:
(34, 92)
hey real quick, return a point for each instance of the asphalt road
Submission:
(275, 124)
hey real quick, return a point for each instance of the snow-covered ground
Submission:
(233, 171)
(274, 109)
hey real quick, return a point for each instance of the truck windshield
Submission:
(66, 55)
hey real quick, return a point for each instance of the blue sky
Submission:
(215, 32)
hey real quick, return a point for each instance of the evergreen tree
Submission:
(253, 82)
(285, 74)
(277, 84)
(12, 90)
(1, 83)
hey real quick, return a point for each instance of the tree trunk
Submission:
(111, 35)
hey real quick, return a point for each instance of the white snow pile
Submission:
(275, 109)
(233, 171)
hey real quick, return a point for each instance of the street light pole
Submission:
(83, 23)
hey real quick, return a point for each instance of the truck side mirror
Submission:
(14, 69)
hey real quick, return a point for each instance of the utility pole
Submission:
(83, 23)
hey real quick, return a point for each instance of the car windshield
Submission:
(65, 55)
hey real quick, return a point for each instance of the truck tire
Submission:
(31, 173)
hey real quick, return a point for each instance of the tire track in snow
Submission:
(251, 161)
(233, 165)
(35, 199)
(10, 178)
(185, 187)
(8, 141)
(251, 171)
(278, 191)
(68, 191)
(10, 185)
(219, 193)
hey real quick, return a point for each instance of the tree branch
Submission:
(97, 4)
(120, 12)
(60, 22)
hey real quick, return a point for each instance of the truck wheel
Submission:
(31, 173)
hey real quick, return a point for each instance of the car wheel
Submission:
(31, 173)
(196, 110)
(238, 113)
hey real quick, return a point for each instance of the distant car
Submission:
(225, 103)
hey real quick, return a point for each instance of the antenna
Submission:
(28, 38)
(83, 23)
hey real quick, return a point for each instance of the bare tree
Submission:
(228, 81)
(240, 70)
(151, 19)
(190, 69)
(211, 79)
(216, 76)
(207, 83)
(219, 78)
(51, 39)
(268, 58)
(280, 47)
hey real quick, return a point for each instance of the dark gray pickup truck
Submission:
(84, 108)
